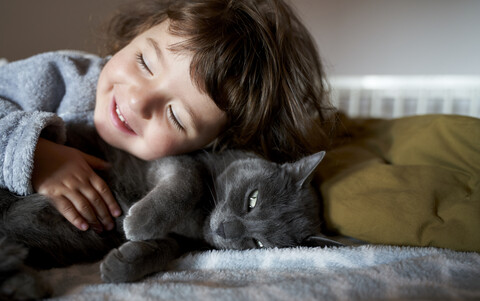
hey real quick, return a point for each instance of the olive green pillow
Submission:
(410, 181)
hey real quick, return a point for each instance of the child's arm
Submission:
(40, 97)
(67, 176)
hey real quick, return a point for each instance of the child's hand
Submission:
(66, 175)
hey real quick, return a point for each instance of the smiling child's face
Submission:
(147, 103)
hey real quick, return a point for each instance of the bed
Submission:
(386, 270)
(382, 270)
(364, 272)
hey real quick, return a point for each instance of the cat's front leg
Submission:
(169, 202)
(137, 259)
(18, 281)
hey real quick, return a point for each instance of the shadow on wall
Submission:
(30, 27)
(407, 37)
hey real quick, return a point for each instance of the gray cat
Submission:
(232, 200)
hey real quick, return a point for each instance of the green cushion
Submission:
(410, 181)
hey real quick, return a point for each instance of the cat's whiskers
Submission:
(213, 192)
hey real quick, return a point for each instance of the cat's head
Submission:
(264, 204)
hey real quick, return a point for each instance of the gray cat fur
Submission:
(168, 204)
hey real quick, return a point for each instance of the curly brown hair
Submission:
(255, 59)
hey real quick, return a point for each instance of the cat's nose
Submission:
(231, 229)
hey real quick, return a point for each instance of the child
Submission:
(183, 75)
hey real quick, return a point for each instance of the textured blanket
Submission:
(350, 273)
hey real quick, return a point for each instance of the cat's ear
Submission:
(320, 241)
(304, 169)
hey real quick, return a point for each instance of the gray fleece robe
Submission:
(39, 97)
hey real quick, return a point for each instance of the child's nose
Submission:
(144, 102)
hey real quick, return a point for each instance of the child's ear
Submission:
(320, 241)
(303, 169)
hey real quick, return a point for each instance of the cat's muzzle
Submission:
(231, 229)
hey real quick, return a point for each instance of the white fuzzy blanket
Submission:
(350, 273)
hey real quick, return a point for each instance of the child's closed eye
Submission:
(142, 63)
(174, 118)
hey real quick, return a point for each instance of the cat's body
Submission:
(232, 200)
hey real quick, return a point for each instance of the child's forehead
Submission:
(161, 31)
(162, 39)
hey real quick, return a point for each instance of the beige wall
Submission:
(354, 36)
(28, 27)
(396, 36)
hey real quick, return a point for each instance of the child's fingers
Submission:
(68, 210)
(99, 206)
(102, 188)
(83, 207)
(95, 163)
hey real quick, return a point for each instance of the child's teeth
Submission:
(120, 116)
(122, 119)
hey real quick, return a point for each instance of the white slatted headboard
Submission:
(397, 96)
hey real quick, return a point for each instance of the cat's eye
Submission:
(252, 200)
(258, 243)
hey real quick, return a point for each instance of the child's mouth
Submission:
(119, 114)
(122, 119)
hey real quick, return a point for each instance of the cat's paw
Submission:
(127, 263)
(142, 224)
(25, 284)
(17, 281)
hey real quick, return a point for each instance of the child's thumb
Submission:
(96, 163)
